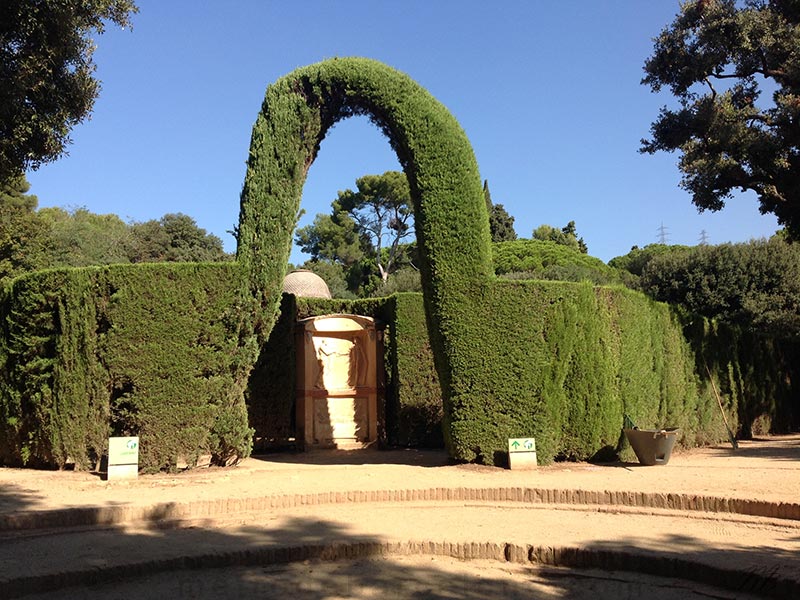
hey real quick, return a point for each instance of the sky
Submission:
(548, 93)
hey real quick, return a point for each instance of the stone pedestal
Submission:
(339, 381)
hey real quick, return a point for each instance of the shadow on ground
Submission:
(245, 563)
(15, 498)
(776, 448)
(368, 456)
(762, 571)
(239, 564)
(271, 559)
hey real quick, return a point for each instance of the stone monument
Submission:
(339, 381)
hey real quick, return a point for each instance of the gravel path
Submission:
(402, 523)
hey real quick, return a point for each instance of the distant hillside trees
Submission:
(366, 227)
(566, 236)
(637, 259)
(366, 233)
(24, 244)
(32, 239)
(367, 240)
(755, 285)
(540, 259)
(501, 224)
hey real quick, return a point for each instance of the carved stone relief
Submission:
(337, 385)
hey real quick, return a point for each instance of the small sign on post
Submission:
(521, 453)
(123, 458)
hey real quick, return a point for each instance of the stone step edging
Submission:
(645, 562)
(176, 511)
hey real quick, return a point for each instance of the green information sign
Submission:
(522, 453)
(522, 445)
(123, 457)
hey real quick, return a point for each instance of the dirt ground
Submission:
(436, 578)
(762, 469)
(224, 519)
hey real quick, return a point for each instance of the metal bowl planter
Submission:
(652, 446)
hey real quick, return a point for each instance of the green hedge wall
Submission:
(154, 350)
(270, 394)
(415, 402)
(148, 350)
(564, 362)
(758, 374)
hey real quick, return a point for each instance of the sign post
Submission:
(123, 458)
(521, 453)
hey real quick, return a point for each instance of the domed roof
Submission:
(306, 284)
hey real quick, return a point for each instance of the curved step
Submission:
(177, 511)
(650, 563)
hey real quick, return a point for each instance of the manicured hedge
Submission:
(154, 350)
(165, 350)
(270, 393)
(451, 221)
(415, 402)
(564, 362)
(758, 374)
(148, 350)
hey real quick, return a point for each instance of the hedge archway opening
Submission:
(450, 213)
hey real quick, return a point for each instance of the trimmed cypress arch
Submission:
(450, 212)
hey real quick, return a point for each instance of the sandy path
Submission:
(759, 470)
(759, 548)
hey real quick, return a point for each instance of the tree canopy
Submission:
(501, 224)
(24, 242)
(175, 237)
(32, 239)
(80, 238)
(717, 58)
(637, 259)
(755, 285)
(381, 209)
(566, 236)
(546, 259)
(364, 233)
(46, 74)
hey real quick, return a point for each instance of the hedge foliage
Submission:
(164, 350)
(564, 362)
(148, 350)
(539, 259)
(451, 219)
(154, 350)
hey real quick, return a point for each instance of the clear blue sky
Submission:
(548, 93)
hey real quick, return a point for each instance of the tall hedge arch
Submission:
(450, 212)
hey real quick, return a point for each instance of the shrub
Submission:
(148, 350)
(537, 259)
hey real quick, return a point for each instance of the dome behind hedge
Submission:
(305, 284)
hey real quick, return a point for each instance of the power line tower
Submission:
(663, 234)
(704, 238)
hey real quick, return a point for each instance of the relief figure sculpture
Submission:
(333, 362)
(358, 363)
